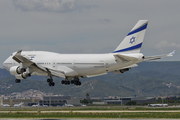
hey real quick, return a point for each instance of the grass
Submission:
(38, 112)
(90, 115)
(134, 108)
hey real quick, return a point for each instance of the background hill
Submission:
(148, 79)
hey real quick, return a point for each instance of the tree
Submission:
(131, 103)
(87, 96)
(84, 101)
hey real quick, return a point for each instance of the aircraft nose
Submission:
(4, 65)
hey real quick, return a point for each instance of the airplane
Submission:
(36, 105)
(4, 105)
(83, 105)
(21, 104)
(69, 105)
(157, 105)
(72, 67)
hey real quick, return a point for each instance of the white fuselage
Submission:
(19, 105)
(73, 64)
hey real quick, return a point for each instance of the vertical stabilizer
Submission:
(133, 41)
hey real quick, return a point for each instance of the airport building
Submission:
(11, 102)
(48, 101)
(144, 99)
(59, 101)
(124, 100)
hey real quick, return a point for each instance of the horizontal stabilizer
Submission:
(159, 56)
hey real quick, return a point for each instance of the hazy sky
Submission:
(87, 26)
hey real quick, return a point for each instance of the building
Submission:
(116, 100)
(11, 102)
(144, 99)
(59, 101)
(49, 101)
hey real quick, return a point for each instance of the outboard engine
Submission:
(15, 70)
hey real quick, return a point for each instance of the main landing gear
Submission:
(50, 81)
(75, 81)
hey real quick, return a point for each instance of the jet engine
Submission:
(15, 70)
(25, 75)
(121, 71)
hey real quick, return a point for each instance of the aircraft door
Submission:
(74, 64)
(54, 65)
(106, 64)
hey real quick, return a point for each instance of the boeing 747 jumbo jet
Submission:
(71, 67)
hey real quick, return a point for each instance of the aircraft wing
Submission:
(35, 67)
(159, 56)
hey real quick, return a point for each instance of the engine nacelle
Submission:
(15, 70)
(19, 76)
(121, 71)
(25, 75)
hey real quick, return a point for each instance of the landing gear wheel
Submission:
(48, 80)
(51, 83)
(63, 82)
(66, 82)
(72, 81)
(77, 83)
(17, 80)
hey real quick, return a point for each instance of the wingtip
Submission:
(19, 51)
(172, 53)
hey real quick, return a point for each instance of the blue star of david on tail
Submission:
(132, 40)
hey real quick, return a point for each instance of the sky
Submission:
(87, 26)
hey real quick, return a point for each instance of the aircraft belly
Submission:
(67, 71)
(120, 66)
(90, 71)
(40, 73)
